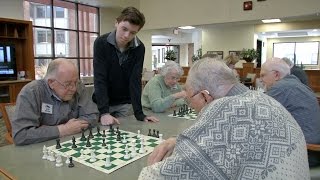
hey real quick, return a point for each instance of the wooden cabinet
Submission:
(19, 33)
(10, 90)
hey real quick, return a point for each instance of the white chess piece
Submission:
(81, 154)
(59, 161)
(68, 159)
(45, 152)
(127, 155)
(93, 156)
(141, 150)
(133, 149)
(160, 138)
(51, 156)
(107, 162)
(109, 151)
(138, 136)
(124, 140)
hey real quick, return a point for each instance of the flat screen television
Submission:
(8, 66)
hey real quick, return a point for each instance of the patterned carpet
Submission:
(3, 130)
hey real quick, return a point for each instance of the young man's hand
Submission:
(151, 118)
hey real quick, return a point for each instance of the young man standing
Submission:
(118, 62)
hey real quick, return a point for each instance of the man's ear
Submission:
(116, 23)
(207, 96)
(50, 83)
(277, 75)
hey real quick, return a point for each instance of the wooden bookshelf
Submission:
(19, 33)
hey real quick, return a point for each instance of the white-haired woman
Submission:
(163, 91)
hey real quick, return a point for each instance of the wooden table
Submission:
(24, 162)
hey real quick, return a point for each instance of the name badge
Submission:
(46, 108)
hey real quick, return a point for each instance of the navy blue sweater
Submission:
(116, 84)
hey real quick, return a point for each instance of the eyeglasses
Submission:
(69, 85)
(188, 99)
(173, 78)
(264, 74)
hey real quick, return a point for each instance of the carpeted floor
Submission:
(3, 130)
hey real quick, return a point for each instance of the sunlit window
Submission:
(305, 53)
(63, 29)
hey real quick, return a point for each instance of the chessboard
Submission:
(107, 144)
(184, 112)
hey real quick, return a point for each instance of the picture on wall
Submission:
(235, 53)
(219, 54)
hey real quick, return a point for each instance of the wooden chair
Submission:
(7, 110)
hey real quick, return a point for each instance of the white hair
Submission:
(54, 66)
(169, 66)
(212, 75)
(277, 64)
(288, 61)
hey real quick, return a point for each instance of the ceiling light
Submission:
(315, 30)
(186, 27)
(270, 20)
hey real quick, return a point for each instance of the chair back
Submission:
(7, 110)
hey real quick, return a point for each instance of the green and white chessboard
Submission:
(118, 150)
(189, 116)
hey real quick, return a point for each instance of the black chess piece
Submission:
(73, 143)
(58, 146)
(104, 133)
(118, 129)
(174, 113)
(98, 131)
(149, 134)
(90, 133)
(154, 133)
(118, 136)
(88, 143)
(104, 142)
(83, 138)
(157, 134)
(111, 130)
(71, 165)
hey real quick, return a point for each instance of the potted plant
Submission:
(197, 56)
(249, 54)
(170, 55)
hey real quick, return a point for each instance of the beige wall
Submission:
(107, 19)
(12, 9)
(298, 39)
(227, 38)
(169, 13)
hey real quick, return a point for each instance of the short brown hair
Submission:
(133, 16)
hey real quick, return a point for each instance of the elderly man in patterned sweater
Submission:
(239, 134)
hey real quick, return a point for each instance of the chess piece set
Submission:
(86, 146)
(182, 111)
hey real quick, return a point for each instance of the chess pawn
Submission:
(68, 159)
(45, 152)
(107, 162)
(59, 161)
(160, 138)
(138, 136)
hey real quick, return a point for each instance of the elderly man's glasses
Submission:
(69, 85)
(188, 99)
(262, 75)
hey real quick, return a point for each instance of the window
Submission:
(63, 29)
(59, 12)
(60, 37)
(43, 36)
(305, 53)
